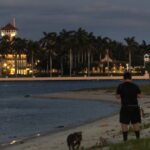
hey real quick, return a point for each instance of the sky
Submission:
(116, 19)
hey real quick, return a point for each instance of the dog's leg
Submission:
(69, 147)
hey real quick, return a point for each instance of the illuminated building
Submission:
(12, 64)
(9, 30)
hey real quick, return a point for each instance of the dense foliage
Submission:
(70, 52)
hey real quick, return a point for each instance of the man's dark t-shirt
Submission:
(128, 92)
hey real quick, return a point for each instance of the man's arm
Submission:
(118, 92)
(139, 93)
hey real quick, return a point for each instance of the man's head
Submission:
(127, 76)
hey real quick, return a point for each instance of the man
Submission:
(129, 93)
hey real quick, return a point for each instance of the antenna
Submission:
(14, 22)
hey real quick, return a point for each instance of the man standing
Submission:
(129, 93)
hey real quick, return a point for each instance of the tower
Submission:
(13, 63)
(9, 30)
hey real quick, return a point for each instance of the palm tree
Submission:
(131, 45)
(82, 39)
(68, 38)
(48, 44)
(4, 49)
(91, 48)
(61, 53)
(32, 49)
(18, 47)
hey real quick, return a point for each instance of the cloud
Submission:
(36, 16)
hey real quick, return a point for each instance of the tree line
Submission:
(71, 51)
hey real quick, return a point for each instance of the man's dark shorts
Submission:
(130, 114)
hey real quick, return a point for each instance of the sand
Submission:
(104, 131)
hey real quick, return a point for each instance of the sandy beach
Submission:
(104, 131)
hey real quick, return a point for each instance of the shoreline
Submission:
(71, 78)
(27, 143)
(61, 128)
(107, 127)
(56, 131)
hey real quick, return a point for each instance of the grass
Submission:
(92, 148)
(145, 89)
(145, 125)
(142, 144)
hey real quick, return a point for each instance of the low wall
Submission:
(71, 78)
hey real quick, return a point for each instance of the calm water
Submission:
(13, 89)
(22, 117)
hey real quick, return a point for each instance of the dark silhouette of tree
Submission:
(48, 44)
(131, 46)
(33, 54)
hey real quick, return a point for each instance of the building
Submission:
(12, 64)
(147, 58)
(9, 30)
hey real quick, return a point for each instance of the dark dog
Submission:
(74, 140)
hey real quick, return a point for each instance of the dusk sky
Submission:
(116, 19)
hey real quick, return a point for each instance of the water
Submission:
(26, 116)
(22, 117)
(13, 89)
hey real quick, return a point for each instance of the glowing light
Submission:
(2, 34)
(13, 142)
(5, 65)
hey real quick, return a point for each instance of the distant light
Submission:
(10, 33)
(2, 34)
(13, 142)
(13, 34)
(4, 64)
(38, 134)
